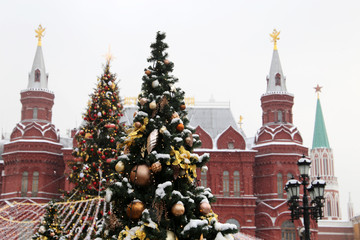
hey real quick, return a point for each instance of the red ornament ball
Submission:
(182, 107)
(180, 127)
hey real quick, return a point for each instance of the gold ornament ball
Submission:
(205, 208)
(170, 235)
(175, 115)
(189, 141)
(148, 72)
(178, 209)
(155, 84)
(119, 167)
(134, 210)
(143, 101)
(52, 234)
(156, 167)
(137, 124)
(166, 62)
(140, 175)
(152, 105)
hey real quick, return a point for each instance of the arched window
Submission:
(233, 221)
(24, 184)
(288, 231)
(236, 184)
(289, 176)
(226, 183)
(37, 75)
(317, 165)
(277, 79)
(35, 184)
(35, 113)
(280, 116)
(325, 165)
(279, 185)
(203, 179)
(328, 206)
(231, 145)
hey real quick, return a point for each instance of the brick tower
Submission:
(33, 160)
(323, 162)
(279, 146)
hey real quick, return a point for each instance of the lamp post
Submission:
(314, 190)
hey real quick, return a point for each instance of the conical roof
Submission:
(320, 139)
(276, 79)
(38, 76)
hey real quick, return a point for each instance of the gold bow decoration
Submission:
(135, 133)
(138, 234)
(182, 158)
(210, 216)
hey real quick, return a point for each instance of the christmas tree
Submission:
(154, 193)
(49, 224)
(98, 139)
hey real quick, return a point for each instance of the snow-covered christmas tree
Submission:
(154, 193)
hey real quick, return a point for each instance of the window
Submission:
(35, 112)
(289, 176)
(35, 184)
(288, 231)
(234, 221)
(317, 165)
(236, 184)
(277, 79)
(328, 206)
(226, 183)
(279, 185)
(203, 179)
(24, 184)
(37, 75)
(280, 116)
(230, 145)
(325, 166)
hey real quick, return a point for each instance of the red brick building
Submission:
(33, 164)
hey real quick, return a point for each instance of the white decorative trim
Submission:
(45, 152)
(279, 154)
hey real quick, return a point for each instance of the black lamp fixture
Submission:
(315, 190)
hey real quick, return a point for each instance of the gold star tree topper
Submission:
(275, 37)
(39, 34)
(318, 90)
(109, 56)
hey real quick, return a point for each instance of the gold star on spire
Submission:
(108, 56)
(275, 37)
(318, 90)
(39, 34)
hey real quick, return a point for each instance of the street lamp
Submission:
(314, 189)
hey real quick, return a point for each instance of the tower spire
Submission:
(320, 139)
(275, 79)
(38, 78)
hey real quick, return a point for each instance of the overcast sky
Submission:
(219, 48)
